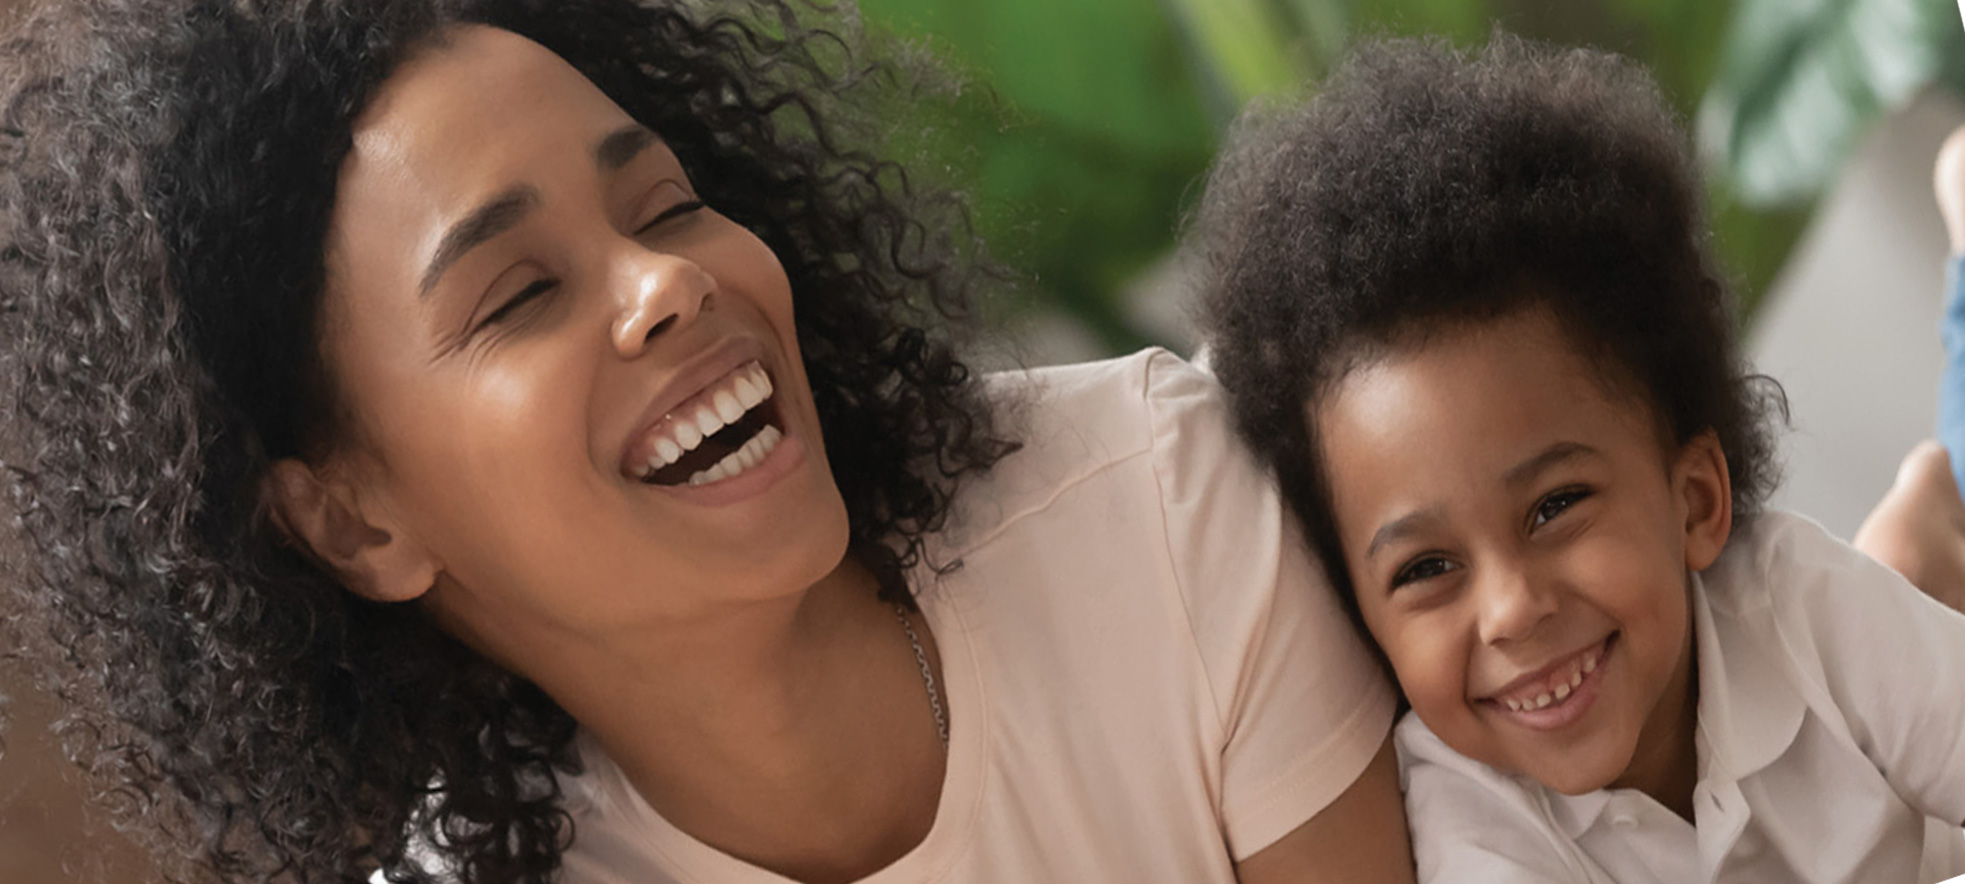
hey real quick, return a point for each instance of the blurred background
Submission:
(1085, 126)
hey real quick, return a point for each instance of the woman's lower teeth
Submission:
(751, 454)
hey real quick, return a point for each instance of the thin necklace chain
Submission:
(927, 676)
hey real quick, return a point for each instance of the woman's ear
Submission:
(373, 558)
(1705, 494)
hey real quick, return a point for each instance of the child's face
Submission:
(1519, 541)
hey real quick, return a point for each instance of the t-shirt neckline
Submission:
(690, 860)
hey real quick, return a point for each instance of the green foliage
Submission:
(1803, 79)
(1081, 130)
(1090, 122)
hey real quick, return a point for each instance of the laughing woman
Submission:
(506, 441)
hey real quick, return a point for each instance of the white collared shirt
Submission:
(1831, 744)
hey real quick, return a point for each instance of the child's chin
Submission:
(1568, 783)
(1573, 773)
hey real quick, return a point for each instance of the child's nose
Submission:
(1511, 604)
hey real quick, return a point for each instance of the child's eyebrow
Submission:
(1561, 452)
(1400, 528)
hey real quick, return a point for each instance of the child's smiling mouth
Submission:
(1559, 694)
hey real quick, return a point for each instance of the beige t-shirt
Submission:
(1146, 674)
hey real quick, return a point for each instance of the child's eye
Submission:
(1555, 504)
(1425, 568)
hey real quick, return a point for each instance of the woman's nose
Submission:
(658, 293)
(1512, 605)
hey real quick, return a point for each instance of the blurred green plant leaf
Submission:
(1802, 79)
(1245, 44)
(1244, 49)
(1079, 132)
(1462, 21)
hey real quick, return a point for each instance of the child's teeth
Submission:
(1562, 691)
(1515, 705)
(1590, 663)
(1576, 680)
(1542, 700)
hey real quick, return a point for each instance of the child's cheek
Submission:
(1430, 654)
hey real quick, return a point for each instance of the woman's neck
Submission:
(1665, 765)
(794, 734)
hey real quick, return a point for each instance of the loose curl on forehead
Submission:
(1426, 189)
(167, 175)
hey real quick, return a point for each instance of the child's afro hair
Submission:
(1425, 187)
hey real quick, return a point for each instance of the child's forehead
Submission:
(1481, 377)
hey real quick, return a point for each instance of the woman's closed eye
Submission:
(676, 211)
(673, 202)
(513, 304)
(1554, 504)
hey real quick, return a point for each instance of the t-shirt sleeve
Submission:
(1892, 659)
(1301, 703)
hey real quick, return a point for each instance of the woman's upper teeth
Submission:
(703, 415)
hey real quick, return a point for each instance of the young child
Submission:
(1463, 307)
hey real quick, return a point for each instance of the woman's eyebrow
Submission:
(501, 212)
(495, 216)
(621, 146)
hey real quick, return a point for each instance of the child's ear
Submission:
(372, 556)
(1704, 491)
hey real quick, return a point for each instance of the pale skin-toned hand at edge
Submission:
(1918, 528)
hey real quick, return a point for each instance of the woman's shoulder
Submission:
(1118, 426)
(1106, 410)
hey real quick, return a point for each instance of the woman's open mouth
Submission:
(728, 428)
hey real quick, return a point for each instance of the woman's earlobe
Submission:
(1706, 492)
(324, 517)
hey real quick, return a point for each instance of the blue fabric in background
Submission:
(1951, 387)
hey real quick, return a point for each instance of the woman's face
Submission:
(574, 389)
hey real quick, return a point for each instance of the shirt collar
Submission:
(1573, 814)
(1749, 709)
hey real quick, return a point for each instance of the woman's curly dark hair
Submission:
(167, 172)
(1426, 187)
